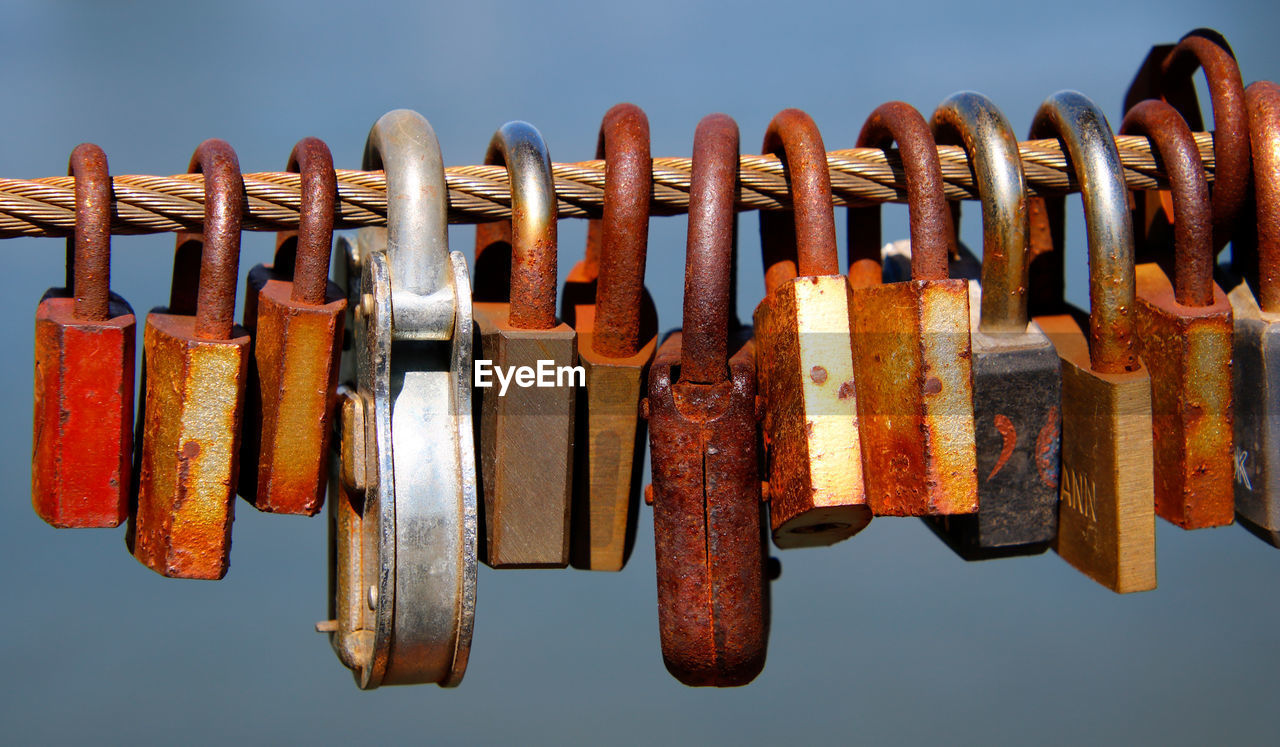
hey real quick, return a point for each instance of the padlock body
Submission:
(804, 367)
(193, 395)
(1187, 351)
(289, 398)
(526, 443)
(1106, 509)
(83, 437)
(1017, 392)
(608, 452)
(707, 520)
(913, 365)
(1256, 381)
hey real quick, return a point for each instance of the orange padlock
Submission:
(82, 445)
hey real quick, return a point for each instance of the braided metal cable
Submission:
(478, 194)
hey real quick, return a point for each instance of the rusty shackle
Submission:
(1192, 218)
(1263, 101)
(972, 120)
(215, 293)
(311, 159)
(713, 188)
(89, 248)
(520, 147)
(932, 241)
(802, 241)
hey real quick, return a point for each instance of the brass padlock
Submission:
(803, 358)
(1106, 513)
(295, 317)
(912, 353)
(707, 513)
(605, 292)
(1184, 335)
(195, 363)
(82, 444)
(526, 424)
(403, 502)
(1017, 378)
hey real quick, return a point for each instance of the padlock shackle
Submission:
(972, 120)
(220, 252)
(801, 241)
(1263, 102)
(713, 190)
(617, 243)
(313, 162)
(1193, 216)
(520, 147)
(89, 248)
(1091, 149)
(932, 237)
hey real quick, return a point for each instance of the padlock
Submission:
(1106, 509)
(526, 423)
(82, 443)
(911, 347)
(804, 362)
(702, 434)
(195, 364)
(1257, 332)
(1184, 335)
(295, 317)
(1017, 379)
(403, 502)
(607, 289)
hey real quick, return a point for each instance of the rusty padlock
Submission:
(526, 423)
(605, 291)
(707, 513)
(1017, 379)
(1184, 335)
(195, 364)
(912, 353)
(1257, 332)
(1106, 511)
(403, 507)
(82, 444)
(295, 317)
(803, 359)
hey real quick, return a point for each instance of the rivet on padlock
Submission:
(1257, 333)
(803, 356)
(1017, 378)
(196, 359)
(1106, 513)
(1184, 335)
(605, 292)
(295, 317)
(702, 434)
(912, 354)
(526, 432)
(403, 506)
(82, 446)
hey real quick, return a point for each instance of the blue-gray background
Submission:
(885, 638)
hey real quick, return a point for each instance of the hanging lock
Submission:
(804, 362)
(1257, 332)
(1017, 378)
(295, 317)
(702, 433)
(82, 444)
(1184, 335)
(196, 360)
(604, 300)
(912, 353)
(1106, 512)
(403, 507)
(526, 431)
